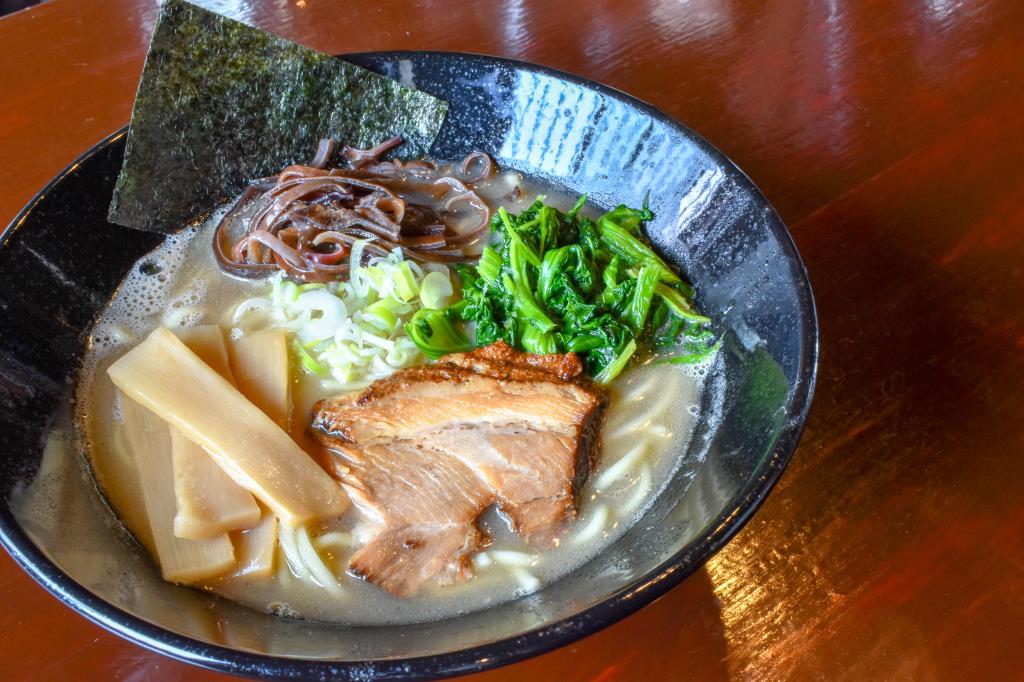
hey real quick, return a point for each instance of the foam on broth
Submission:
(648, 425)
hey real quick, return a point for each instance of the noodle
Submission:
(303, 561)
(595, 526)
(643, 487)
(624, 463)
(658, 430)
(321, 575)
(527, 580)
(509, 558)
(335, 539)
(291, 552)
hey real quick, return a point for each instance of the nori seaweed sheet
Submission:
(221, 103)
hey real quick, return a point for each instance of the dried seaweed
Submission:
(221, 103)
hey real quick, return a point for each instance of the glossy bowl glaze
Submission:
(60, 261)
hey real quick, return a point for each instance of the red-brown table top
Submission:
(888, 136)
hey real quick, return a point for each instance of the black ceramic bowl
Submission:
(60, 260)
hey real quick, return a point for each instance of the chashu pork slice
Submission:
(427, 503)
(429, 448)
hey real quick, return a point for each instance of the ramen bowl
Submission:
(60, 262)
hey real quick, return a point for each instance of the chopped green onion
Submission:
(309, 362)
(380, 315)
(435, 335)
(405, 283)
(348, 333)
(376, 275)
(435, 290)
(283, 291)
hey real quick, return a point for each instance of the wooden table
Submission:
(889, 136)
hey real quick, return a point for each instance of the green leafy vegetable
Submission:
(533, 340)
(490, 264)
(560, 282)
(628, 218)
(643, 293)
(679, 304)
(613, 368)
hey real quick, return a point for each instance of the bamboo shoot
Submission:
(208, 501)
(259, 362)
(207, 341)
(119, 479)
(255, 547)
(164, 376)
(180, 560)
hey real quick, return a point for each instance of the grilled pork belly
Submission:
(427, 449)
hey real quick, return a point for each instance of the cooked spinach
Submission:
(562, 282)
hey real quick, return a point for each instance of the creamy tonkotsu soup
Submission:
(642, 439)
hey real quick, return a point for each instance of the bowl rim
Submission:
(616, 606)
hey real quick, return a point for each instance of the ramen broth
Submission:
(646, 431)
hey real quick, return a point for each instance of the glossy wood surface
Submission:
(888, 135)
